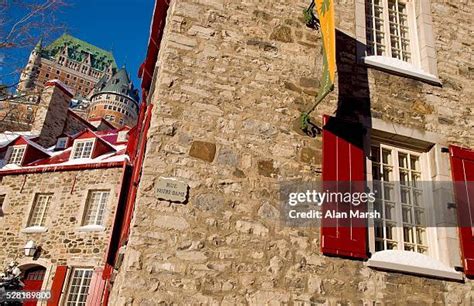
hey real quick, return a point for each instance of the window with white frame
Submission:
(388, 28)
(79, 284)
(16, 155)
(40, 208)
(95, 207)
(398, 37)
(61, 143)
(82, 149)
(400, 199)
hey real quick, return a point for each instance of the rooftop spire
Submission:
(39, 44)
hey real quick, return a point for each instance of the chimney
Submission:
(51, 114)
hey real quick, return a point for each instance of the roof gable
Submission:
(33, 151)
(101, 146)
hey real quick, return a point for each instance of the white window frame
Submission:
(82, 280)
(61, 143)
(446, 246)
(424, 63)
(36, 200)
(430, 233)
(412, 33)
(76, 144)
(13, 151)
(99, 219)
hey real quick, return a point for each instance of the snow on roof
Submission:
(62, 157)
(7, 137)
(37, 146)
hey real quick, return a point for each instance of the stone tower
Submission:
(115, 100)
(29, 75)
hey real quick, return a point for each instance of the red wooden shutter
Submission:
(343, 161)
(96, 288)
(462, 169)
(57, 286)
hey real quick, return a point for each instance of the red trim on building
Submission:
(57, 287)
(58, 84)
(63, 168)
(158, 23)
(462, 171)
(96, 288)
(138, 135)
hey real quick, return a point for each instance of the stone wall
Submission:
(233, 77)
(63, 243)
(52, 114)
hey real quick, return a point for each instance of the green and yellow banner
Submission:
(325, 12)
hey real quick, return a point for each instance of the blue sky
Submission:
(121, 26)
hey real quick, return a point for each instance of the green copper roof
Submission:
(121, 83)
(78, 50)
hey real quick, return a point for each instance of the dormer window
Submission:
(82, 149)
(122, 135)
(61, 143)
(16, 155)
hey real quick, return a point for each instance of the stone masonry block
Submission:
(203, 150)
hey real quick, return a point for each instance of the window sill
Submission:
(91, 228)
(413, 263)
(400, 67)
(34, 229)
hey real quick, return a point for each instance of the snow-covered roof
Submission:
(7, 137)
(112, 150)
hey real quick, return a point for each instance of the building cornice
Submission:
(58, 168)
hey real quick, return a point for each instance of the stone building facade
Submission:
(76, 63)
(63, 241)
(66, 201)
(225, 92)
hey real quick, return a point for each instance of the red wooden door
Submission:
(33, 281)
(462, 168)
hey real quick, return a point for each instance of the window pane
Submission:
(83, 149)
(79, 287)
(16, 155)
(95, 207)
(400, 197)
(40, 208)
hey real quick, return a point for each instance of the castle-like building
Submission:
(99, 88)
(115, 100)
